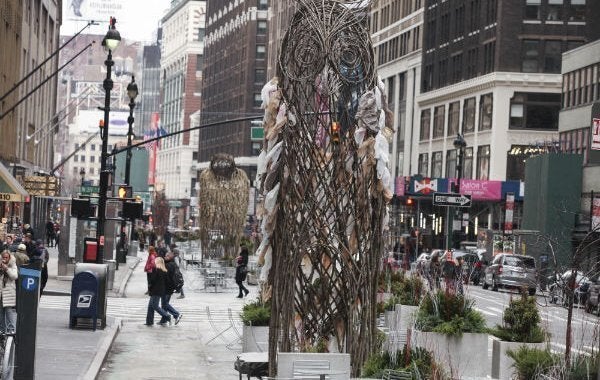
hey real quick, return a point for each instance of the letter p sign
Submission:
(29, 279)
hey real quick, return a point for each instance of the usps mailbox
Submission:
(84, 285)
(84, 298)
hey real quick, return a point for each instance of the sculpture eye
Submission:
(303, 52)
(351, 54)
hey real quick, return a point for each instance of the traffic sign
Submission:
(89, 190)
(451, 200)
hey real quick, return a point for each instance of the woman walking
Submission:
(240, 275)
(157, 290)
(8, 294)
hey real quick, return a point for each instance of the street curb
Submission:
(121, 290)
(103, 349)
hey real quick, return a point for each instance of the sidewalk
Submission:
(64, 353)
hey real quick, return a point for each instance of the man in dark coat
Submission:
(172, 270)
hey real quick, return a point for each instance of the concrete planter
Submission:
(501, 363)
(463, 357)
(255, 338)
(405, 316)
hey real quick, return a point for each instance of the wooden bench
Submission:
(391, 374)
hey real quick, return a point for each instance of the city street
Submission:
(554, 318)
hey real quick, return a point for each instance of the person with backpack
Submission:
(157, 290)
(241, 271)
(174, 281)
(177, 259)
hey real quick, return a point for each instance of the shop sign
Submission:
(595, 134)
(481, 190)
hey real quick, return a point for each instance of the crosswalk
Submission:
(134, 309)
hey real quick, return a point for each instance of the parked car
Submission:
(593, 299)
(511, 271)
(581, 288)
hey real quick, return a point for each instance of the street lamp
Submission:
(110, 42)
(132, 92)
(459, 144)
(82, 174)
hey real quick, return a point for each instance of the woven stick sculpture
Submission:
(324, 177)
(223, 199)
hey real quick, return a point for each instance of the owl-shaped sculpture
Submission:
(324, 178)
(223, 204)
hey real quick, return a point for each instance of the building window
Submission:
(261, 51)
(257, 100)
(423, 164)
(472, 63)
(459, 21)
(443, 73)
(438, 121)
(575, 141)
(485, 112)
(490, 14)
(82, 158)
(263, 4)
(428, 78)
(453, 118)
(475, 8)
(260, 76)
(92, 159)
(93, 147)
(577, 10)
(457, 68)
(468, 163)
(199, 62)
(532, 9)
(468, 115)
(552, 56)
(425, 122)
(451, 163)
(554, 10)
(483, 162)
(530, 60)
(436, 165)
(534, 111)
(75, 171)
(76, 158)
(91, 171)
(489, 54)
(261, 27)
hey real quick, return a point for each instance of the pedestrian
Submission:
(156, 290)
(173, 275)
(28, 230)
(21, 255)
(152, 238)
(241, 271)
(56, 234)
(8, 294)
(167, 237)
(434, 271)
(30, 244)
(459, 275)
(149, 267)
(41, 255)
(449, 272)
(50, 233)
(177, 259)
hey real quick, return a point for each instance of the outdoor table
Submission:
(214, 278)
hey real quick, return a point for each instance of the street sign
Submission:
(451, 200)
(89, 190)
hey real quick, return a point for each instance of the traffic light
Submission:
(133, 210)
(409, 201)
(335, 132)
(124, 192)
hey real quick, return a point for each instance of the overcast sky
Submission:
(137, 20)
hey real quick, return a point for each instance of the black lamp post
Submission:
(459, 144)
(132, 92)
(82, 174)
(110, 42)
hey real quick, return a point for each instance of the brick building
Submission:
(235, 72)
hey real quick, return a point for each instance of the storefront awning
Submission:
(10, 189)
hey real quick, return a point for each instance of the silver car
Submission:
(511, 271)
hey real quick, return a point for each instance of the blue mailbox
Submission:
(84, 298)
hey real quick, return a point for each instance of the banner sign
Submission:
(596, 214)
(399, 186)
(427, 186)
(509, 215)
(595, 134)
(481, 190)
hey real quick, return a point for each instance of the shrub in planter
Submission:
(408, 290)
(531, 362)
(450, 314)
(418, 361)
(256, 313)
(521, 322)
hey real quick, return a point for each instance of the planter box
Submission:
(501, 362)
(405, 316)
(255, 338)
(463, 357)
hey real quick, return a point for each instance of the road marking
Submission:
(485, 311)
(563, 347)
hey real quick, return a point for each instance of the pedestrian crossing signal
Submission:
(335, 132)
(124, 192)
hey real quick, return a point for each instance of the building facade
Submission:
(149, 97)
(182, 55)
(235, 72)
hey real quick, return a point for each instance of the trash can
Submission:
(84, 298)
(110, 275)
(121, 255)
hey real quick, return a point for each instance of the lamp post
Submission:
(82, 174)
(132, 92)
(110, 42)
(459, 144)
